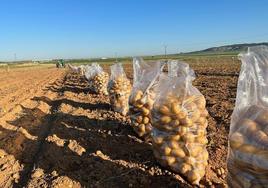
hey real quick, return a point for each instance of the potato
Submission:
(164, 110)
(186, 122)
(174, 144)
(195, 115)
(190, 160)
(261, 138)
(194, 176)
(181, 115)
(170, 160)
(196, 150)
(190, 107)
(158, 139)
(178, 152)
(200, 102)
(176, 108)
(182, 130)
(167, 150)
(248, 126)
(146, 120)
(249, 149)
(201, 140)
(165, 119)
(204, 113)
(202, 120)
(145, 111)
(148, 128)
(175, 123)
(236, 140)
(174, 137)
(188, 137)
(139, 119)
(262, 117)
(184, 168)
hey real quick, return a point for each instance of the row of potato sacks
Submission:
(170, 112)
(97, 78)
(248, 138)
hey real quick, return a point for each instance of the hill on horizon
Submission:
(234, 48)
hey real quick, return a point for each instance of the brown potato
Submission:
(145, 111)
(165, 119)
(190, 160)
(146, 120)
(178, 153)
(246, 148)
(176, 108)
(174, 144)
(182, 130)
(158, 139)
(248, 126)
(167, 150)
(169, 159)
(164, 110)
(184, 168)
(181, 115)
(174, 137)
(175, 123)
(262, 117)
(139, 119)
(260, 137)
(186, 122)
(195, 116)
(196, 150)
(201, 140)
(236, 140)
(204, 113)
(194, 176)
(200, 102)
(189, 137)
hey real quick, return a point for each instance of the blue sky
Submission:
(45, 29)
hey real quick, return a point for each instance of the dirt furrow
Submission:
(25, 91)
(23, 129)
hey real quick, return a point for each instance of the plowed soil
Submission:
(54, 132)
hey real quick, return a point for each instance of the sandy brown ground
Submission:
(55, 133)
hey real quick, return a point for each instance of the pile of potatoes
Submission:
(179, 134)
(99, 82)
(140, 110)
(248, 152)
(119, 90)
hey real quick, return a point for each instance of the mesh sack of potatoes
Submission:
(142, 96)
(97, 78)
(72, 68)
(119, 88)
(248, 138)
(179, 120)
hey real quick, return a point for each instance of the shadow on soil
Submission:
(113, 156)
(120, 163)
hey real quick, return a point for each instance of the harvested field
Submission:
(55, 132)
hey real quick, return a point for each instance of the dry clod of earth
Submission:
(37, 173)
(56, 140)
(75, 147)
